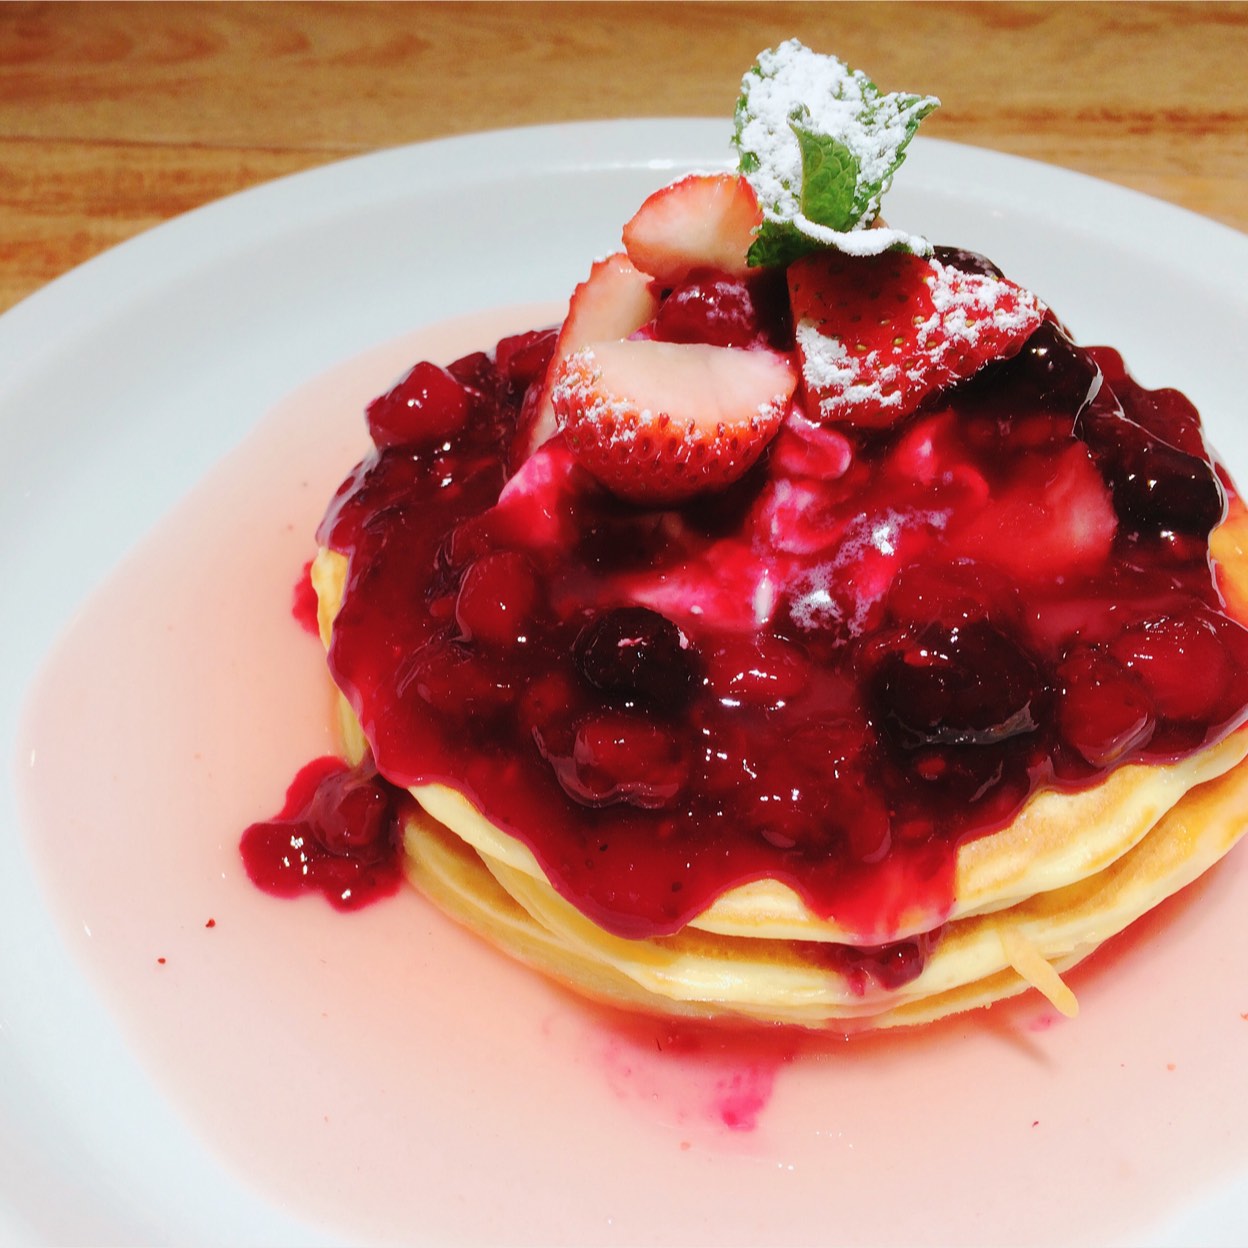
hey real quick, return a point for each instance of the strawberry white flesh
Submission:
(658, 422)
(612, 302)
(701, 221)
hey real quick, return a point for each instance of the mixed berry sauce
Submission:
(338, 834)
(872, 648)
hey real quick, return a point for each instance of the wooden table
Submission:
(114, 117)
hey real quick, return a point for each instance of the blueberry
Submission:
(966, 684)
(1156, 487)
(636, 655)
(966, 261)
(1050, 374)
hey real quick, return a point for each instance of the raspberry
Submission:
(621, 758)
(351, 817)
(1102, 709)
(712, 308)
(758, 670)
(498, 600)
(523, 358)
(1179, 660)
(427, 406)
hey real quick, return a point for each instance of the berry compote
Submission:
(873, 647)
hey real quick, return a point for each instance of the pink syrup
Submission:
(386, 1075)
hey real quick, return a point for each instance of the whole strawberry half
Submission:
(658, 422)
(877, 335)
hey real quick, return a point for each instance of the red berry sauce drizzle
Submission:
(303, 603)
(872, 648)
(337, 834)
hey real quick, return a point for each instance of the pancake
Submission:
(975, 962)
(1030, 900)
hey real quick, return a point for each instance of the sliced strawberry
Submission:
(878, 334)
(612, 302)
(657, 422)
(703, 221)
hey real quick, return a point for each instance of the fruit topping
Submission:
(757, 669)
(968, 684)
(868, 648)
(820, 143)
(622, 758)
(1053, 518)
(885, 967)
(724, 311)
(1157, 488)
(337, 834)
(967, 261)
(1049, 374)
(878, 335)
(636, 655)
(523, 358)
(426, 407)
(614, 301)
(659, 422)
(806, 449)
(1103, 711)
(810, 573)
(498, 599)
(700, 221)
(1181, 661)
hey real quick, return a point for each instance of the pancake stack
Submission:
(1030, 901)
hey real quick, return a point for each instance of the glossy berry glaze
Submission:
(872, 648)
(338, 834)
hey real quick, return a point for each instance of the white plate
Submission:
(123, 382)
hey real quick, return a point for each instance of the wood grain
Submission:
(114, 117)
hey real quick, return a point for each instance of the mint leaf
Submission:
(829, 174)
(820, 143)
(830, 178)
(777, 245)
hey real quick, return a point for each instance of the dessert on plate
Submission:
(805, 630)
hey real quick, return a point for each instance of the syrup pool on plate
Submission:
(386, 1075)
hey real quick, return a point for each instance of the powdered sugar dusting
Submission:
(659, 421)
(858, 241)
(579, 387)
(841, 592)
(973, 317)
(829, 370)
(791, 83)
(967, 303)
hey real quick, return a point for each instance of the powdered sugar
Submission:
(967, 302)
(858, 241)
(792, 83)
(829, 370)
(839, 594)
(579, 386)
